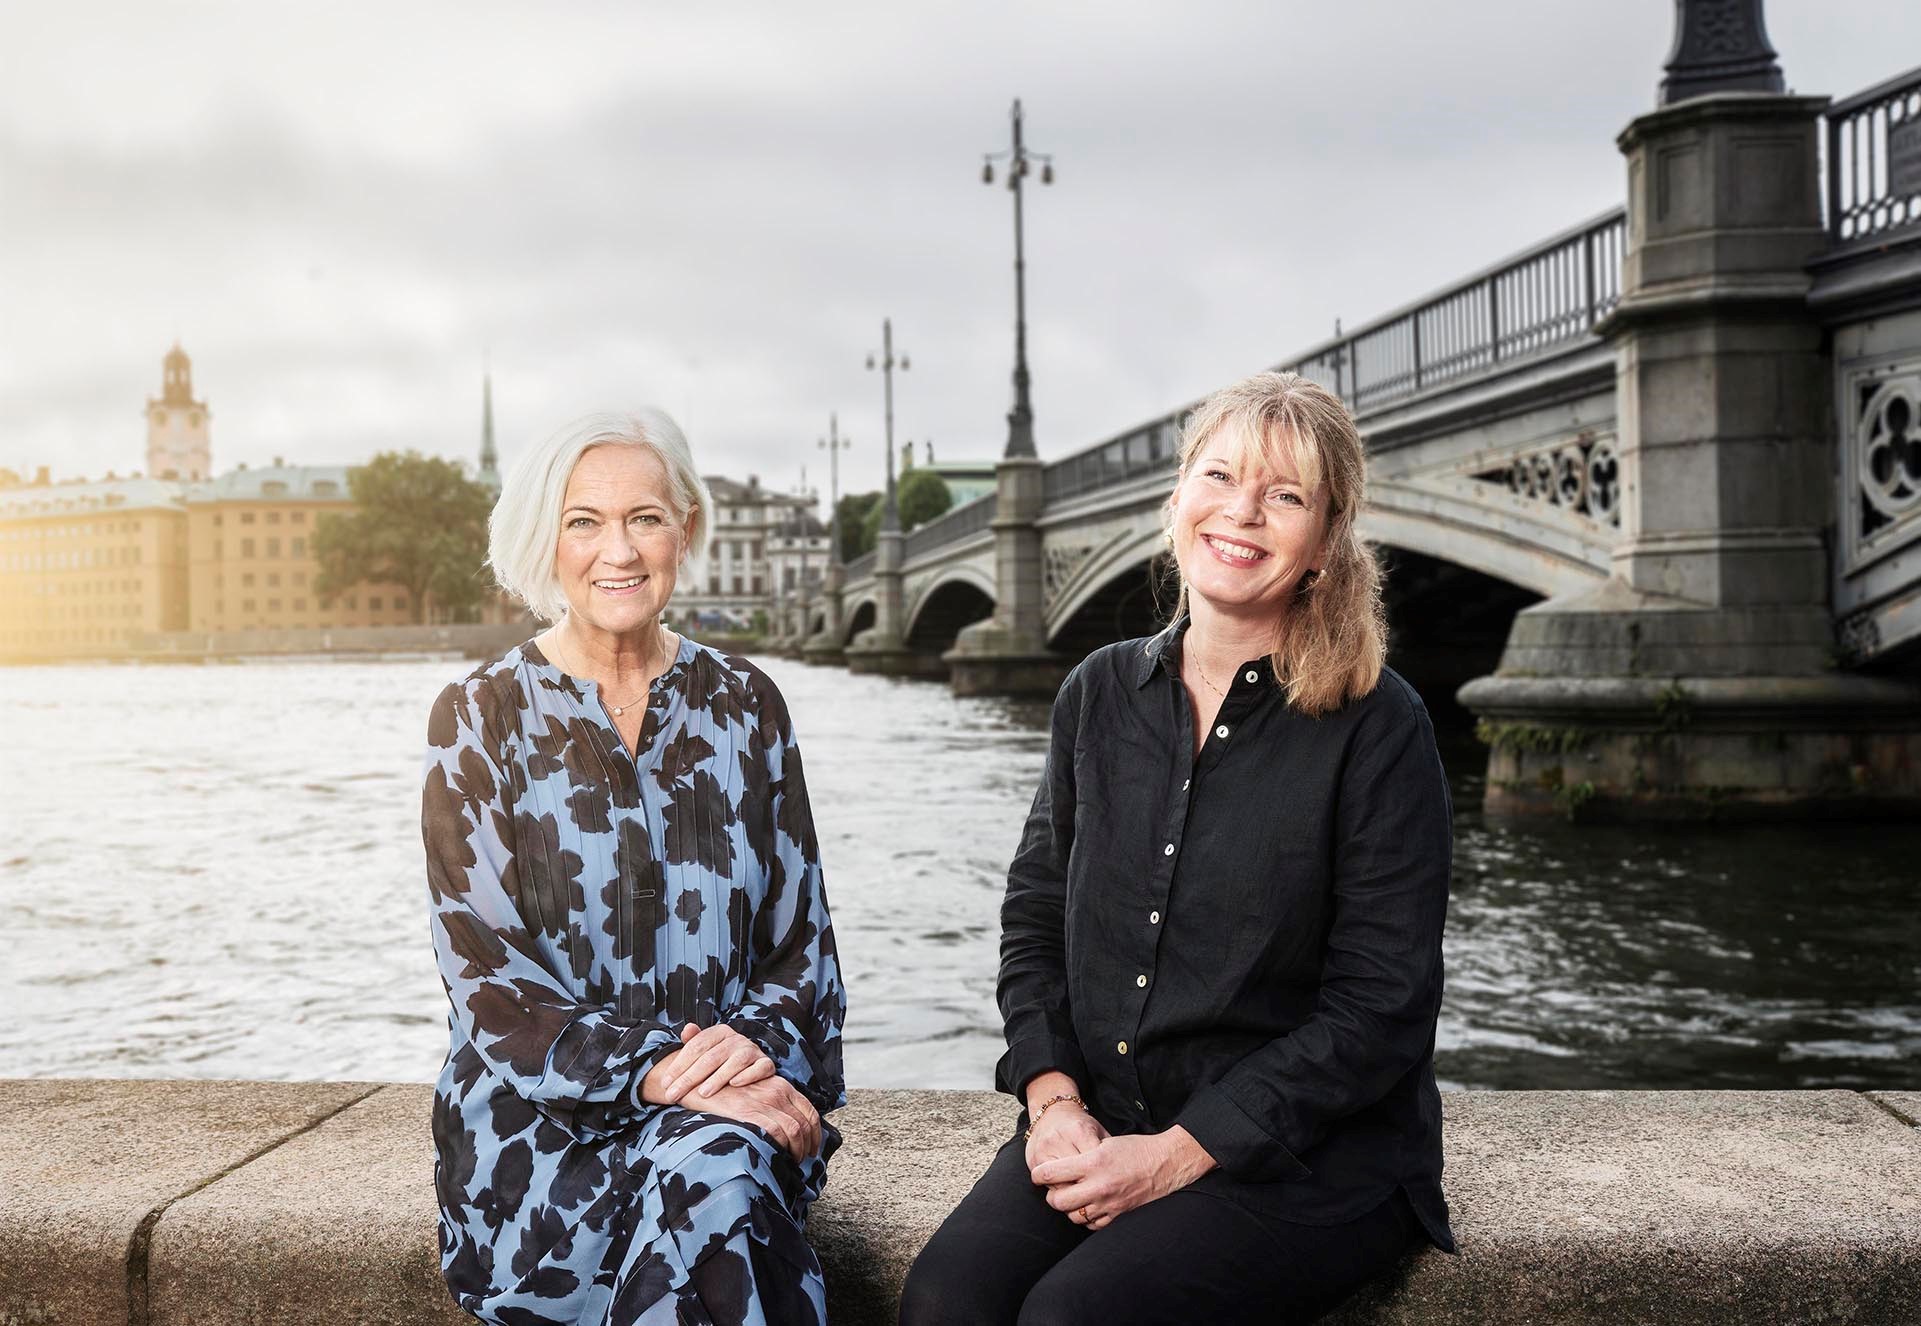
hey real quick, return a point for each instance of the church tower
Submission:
(489, 474)
(178, 439)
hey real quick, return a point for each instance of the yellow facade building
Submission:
(88, 567)
(250, 558)
(85, 567)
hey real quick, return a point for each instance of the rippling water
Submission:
(215, 872)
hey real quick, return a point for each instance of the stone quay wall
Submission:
(263, 1203)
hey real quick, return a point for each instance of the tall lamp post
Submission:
(833, 444)
(1020, 420)
(890, 508)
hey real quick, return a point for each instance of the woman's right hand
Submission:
(1065, 1128)
(772, 1104)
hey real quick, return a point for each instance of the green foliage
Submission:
(417, 522)
(1572, 796)
(1673, 707)
(855, 537)
(1531, 737)
(923, 495)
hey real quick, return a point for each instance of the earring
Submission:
(1167, 537)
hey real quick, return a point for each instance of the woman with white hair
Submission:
(629, 920)
(1221, 940)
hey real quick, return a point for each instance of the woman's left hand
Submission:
(709, 1059)
(1122, 1173)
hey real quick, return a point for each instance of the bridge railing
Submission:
(860, 566)
(1874, 164)
(958, 523)
(1545, 297)
(1149, 448)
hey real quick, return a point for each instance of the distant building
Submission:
(179, 438)
(86, 566)
(743, 564)
(251, 559)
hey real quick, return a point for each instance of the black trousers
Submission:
(1005, 1256)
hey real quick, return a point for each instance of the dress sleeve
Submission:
(794, 1005)
(1033, 978)
(1381, 977)
(574, 1062)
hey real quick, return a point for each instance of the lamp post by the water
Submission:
(833, 444)
(1008, 652)
(890, 508)
(1020, 420)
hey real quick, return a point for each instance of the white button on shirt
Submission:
(1253, 675)
(1141, 980)
(1153, 918)
(1221, 731)
(1168, 850)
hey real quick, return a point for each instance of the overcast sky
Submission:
(344, 210)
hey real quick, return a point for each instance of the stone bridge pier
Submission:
(1700, 676)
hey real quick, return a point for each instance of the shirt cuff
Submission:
(1029, 1057)
(1238, 1144)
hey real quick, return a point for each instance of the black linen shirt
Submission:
(1245, 941)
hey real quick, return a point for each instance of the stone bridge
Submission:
(1674, 452)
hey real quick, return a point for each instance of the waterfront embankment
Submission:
(223, 1203)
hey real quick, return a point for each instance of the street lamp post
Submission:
(833, 444)
(890, 507)
(1020, 420)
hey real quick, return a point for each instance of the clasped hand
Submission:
(719, 1071)
(1094, 1177)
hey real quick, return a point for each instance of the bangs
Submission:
(1270, 443)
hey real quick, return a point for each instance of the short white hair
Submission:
(525, 527)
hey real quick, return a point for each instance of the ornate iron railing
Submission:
(1149, 448)
(1546, 297)
(957, 523)
(1874, 164)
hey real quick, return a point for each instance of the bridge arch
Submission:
(1480, 541)
(957, 598)
(864, 613)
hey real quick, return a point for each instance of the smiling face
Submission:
(621, 541)
(1249, 518)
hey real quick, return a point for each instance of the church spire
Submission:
(489, 458)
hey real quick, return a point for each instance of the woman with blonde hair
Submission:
(1221, 939)
(644, 1003)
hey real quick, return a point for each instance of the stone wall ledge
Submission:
(219, 1203)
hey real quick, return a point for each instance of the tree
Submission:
(417, 522)
(855, 538)
(923, 495)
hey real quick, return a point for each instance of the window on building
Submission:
(373, 603)
(756, 588)
(298, 548)
(298, 517)
(246, 547)
(216, 519)
(273, 580)
(246, 517)
(273, 605)
(273, 517)
(713, 582)
(246, 580)
(400, 603)
(753, 551)
(246, 605)
(273, 547)
(737, 584)
(353, 602)
(300, 577)
(788, 577)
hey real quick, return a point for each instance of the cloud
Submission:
(345, 210)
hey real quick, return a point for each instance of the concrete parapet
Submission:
(221, 1202)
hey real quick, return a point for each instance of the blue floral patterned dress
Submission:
(586, 904)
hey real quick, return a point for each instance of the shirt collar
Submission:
(1163, 652)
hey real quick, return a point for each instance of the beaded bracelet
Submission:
(1042, 1112)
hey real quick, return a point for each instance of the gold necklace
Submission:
(625, 705)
